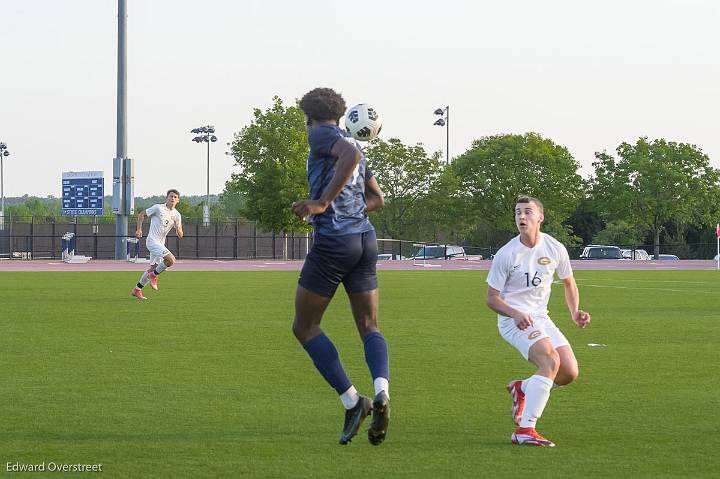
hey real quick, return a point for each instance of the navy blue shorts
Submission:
(347, 259)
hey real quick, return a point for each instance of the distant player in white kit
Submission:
(163, 217)
(518, 290)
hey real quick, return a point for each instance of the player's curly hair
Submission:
(173, 190)
(323, 104)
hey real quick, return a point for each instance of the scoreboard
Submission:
(82, 193)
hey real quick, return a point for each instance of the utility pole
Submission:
(123, 174)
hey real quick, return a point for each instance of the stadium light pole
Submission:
(446, 123)
(3, 153)
(206, 134)
(123, 202)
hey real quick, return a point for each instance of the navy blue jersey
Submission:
(346, 214)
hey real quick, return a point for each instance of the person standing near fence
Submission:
(344, 251)
(163, 217)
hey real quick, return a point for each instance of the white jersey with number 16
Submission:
(524, 275)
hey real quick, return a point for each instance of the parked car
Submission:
(667, 257)
(440, 252)
(639, 254)
(389, 256)
(595, 251)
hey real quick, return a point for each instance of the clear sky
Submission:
(587, 73)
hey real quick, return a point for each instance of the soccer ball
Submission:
(363, 122)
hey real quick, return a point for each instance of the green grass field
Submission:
(205, 379)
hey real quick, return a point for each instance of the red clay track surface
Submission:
(278, 265)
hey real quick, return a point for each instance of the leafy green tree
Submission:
(34, 207)
(497, 169)
(488, 236)
(700, 239)
(586, 221)
(406, 174)
(271, 153)
(619, 232)
(653, 183)
(561, 231)
(232, 201)
(442, 215)
(190, 211)
(677, 242)
(190, 207)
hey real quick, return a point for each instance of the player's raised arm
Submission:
(374, 199)
(178, 225)
(572, 298)
(348, 157)
(140, 219)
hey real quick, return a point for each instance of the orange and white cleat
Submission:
(518, 400)
(153, 280)
(528, 436)
(137, 292)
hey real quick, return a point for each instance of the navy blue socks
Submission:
(323, 353)
(376, 355)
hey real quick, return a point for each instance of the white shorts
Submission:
(157, 251)
(543, 327)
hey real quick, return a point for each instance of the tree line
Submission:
(650, 191)
(646, 192)
(22, 209)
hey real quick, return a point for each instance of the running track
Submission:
(277, 265)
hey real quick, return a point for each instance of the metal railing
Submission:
(220, 240)
(39, 238)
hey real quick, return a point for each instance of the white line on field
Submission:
(648, 280)
(649, 289)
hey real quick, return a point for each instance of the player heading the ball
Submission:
(342, 191)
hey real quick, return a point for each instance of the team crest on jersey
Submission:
(534, 334)
(544, 260)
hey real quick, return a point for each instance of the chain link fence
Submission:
(40, 238)
(33, 238)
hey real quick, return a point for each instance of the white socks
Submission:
(523, 385)
(144, 278)
(537, 392)
(161, 267)
(381, 384)
(350, 398)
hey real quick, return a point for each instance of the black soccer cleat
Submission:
(380, 419)
(354, 418)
